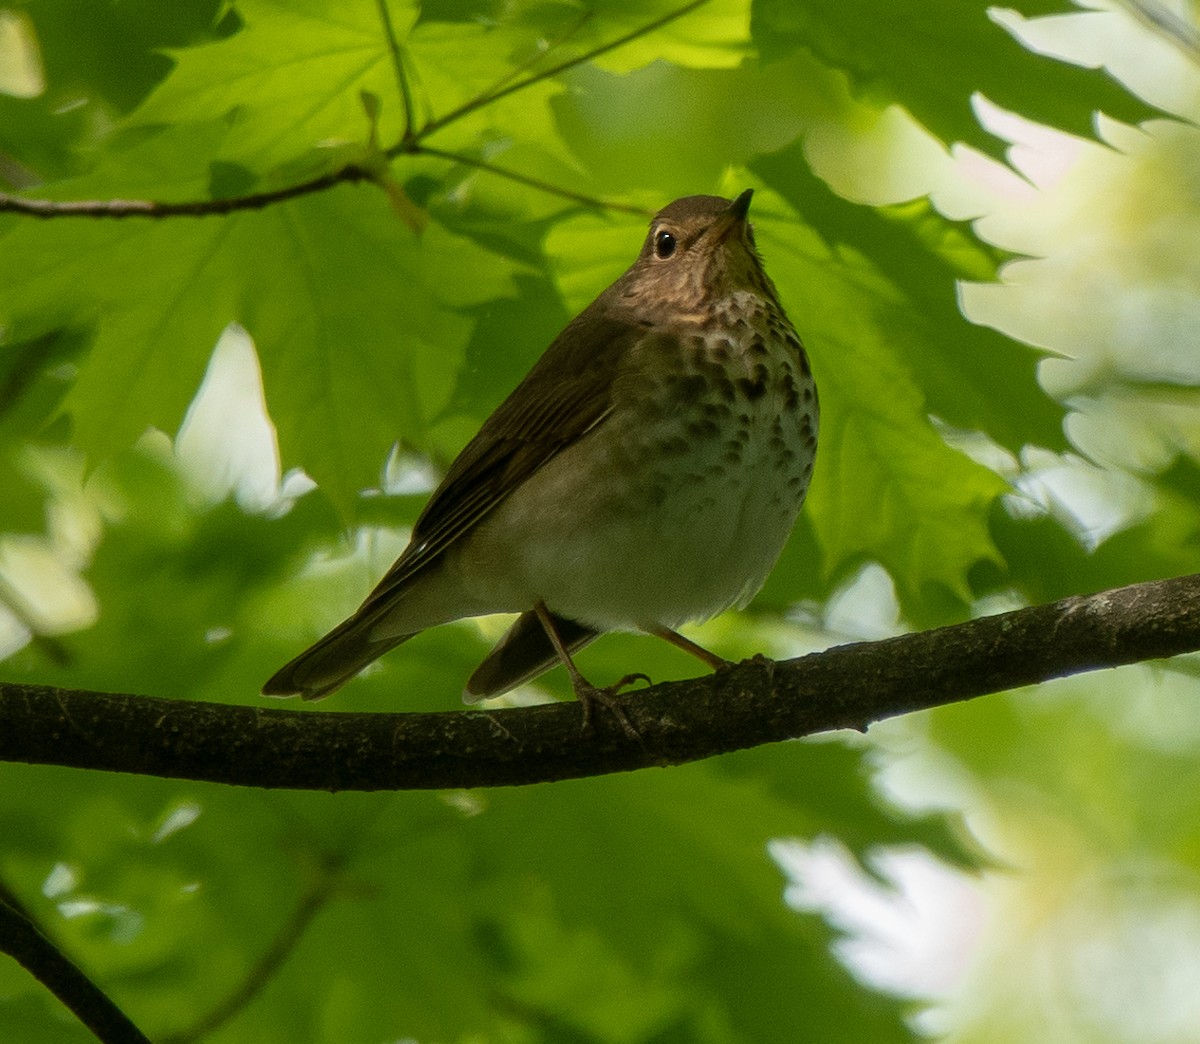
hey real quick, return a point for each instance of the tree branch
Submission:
(21, 939)
(346, 175)
(755, 702)
(409, 144)
(151, 208)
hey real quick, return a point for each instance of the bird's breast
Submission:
(731, 392)
(677, 505)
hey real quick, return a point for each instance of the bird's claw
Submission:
(590, 696)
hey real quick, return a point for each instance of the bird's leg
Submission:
(688, 646)
(587, 693)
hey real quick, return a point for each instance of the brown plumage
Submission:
(646, 472)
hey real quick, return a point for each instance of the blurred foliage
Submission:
(932, 59)
(640, 909)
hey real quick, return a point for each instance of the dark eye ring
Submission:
(664, 244)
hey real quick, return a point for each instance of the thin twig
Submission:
(22, 940)
(544, 186)
(481, 100)
(541, 55)
(402, 84)
(263, 971)
(408, 145)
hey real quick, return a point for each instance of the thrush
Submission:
(646, 473)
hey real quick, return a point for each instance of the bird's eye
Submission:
(664, 244)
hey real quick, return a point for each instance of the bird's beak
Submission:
(734, 217)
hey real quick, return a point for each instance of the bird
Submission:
(646, 473)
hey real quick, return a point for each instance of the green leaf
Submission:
(713, 33)
(358, 323)
(887, 487)
(100, 60)
(288, 81)
(826, 783)
(22, 508)
(37, 1018)
(741, 965)
(1046, 562)
(1105, 746)
(972, 376)
(218, 639)
(538, 934)
(932, 58)
(304, 67)
(35, 373)
(665, 131)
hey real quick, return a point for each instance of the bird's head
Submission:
(699, 249)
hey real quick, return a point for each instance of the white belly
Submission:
(619, 545)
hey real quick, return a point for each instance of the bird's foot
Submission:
(590, 696)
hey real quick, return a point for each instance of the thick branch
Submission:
(755, 702)
(20, 938)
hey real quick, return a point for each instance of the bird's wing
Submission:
(564, 396)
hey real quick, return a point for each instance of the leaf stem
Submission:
(543, 186)
(397, 53)
(538, 56)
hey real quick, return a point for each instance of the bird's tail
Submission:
(522, 654)
(334, 660)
